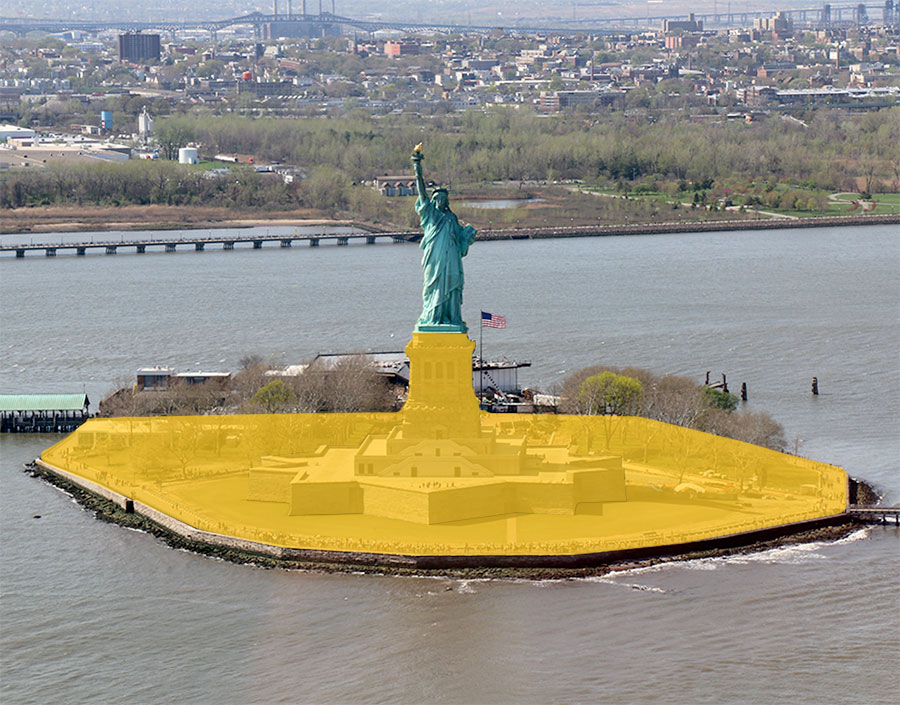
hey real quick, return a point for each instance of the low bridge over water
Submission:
(229, 241)
(198, 244)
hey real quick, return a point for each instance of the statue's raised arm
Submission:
(417, 166)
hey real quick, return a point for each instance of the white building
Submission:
(145, 124)
(16, 132)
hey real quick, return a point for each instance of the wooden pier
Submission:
(876, 515)
(199, 244)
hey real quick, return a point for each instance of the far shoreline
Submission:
(151, 218)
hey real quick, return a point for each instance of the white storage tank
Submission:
(187, 155)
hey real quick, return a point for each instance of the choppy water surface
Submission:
(95, 613)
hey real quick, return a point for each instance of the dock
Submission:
(43, 413)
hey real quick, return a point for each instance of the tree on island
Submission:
(274, 397)
(609, 393)
(720, 399)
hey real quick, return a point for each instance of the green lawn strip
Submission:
(886, 203)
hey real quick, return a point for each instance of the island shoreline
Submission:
(113, 508)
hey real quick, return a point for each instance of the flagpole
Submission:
(481, 361)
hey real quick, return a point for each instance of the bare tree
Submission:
(351, 384)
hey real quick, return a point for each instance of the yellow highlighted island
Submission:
(441, 478)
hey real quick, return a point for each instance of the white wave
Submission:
(791, 554)
(797, 553)
(857, 535)
(695, 564)
(607, 580)
(700, 564)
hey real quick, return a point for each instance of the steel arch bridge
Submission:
(834, 13)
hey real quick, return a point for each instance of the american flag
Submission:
(490, 320)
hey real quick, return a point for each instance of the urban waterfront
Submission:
(95, 612)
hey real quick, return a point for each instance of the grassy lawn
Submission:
(683, 198)
(885, 203)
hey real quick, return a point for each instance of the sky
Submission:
(476, 11)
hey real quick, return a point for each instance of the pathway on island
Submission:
(847, 197)
(688, 204)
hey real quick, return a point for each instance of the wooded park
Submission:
(659, 163)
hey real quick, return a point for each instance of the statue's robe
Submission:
(445, 243)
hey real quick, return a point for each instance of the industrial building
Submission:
(139, 47)
(145, 124)
(15, 132)
(688, 25)
(554, 101)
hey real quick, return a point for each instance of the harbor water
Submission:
(92, 612)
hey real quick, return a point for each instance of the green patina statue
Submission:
(445, 243)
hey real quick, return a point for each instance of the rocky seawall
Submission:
(687, 227)
(109, 506)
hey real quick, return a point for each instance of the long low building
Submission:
(501, 375)
(42, 413)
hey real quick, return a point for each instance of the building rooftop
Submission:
(43, 402)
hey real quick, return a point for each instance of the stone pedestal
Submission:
(441, 402)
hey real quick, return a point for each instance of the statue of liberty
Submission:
(445, 242)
